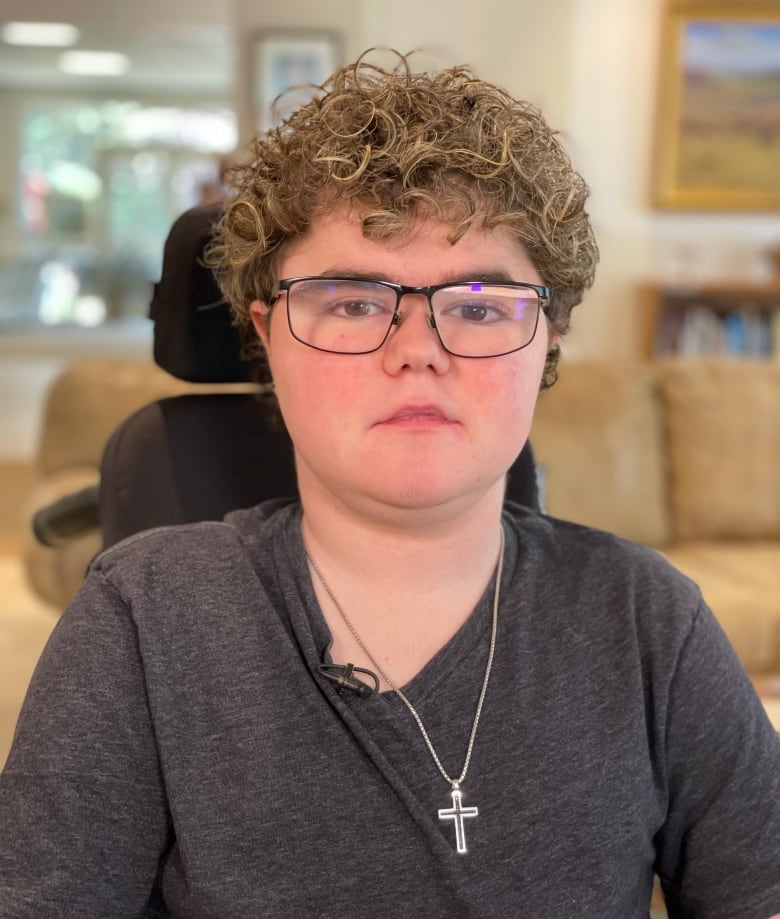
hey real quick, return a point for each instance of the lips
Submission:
(418, 416)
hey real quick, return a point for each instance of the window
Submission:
(99, 185)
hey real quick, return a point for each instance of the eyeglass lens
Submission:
(354, 316)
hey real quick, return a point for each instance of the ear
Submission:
(261, 318)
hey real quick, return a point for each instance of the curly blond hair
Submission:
(402, 145)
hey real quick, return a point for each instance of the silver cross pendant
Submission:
(458, 813)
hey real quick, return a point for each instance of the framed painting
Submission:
(287, 67)
(718, 123)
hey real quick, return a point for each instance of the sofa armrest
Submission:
(55, 573)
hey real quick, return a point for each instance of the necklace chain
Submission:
(455, 783)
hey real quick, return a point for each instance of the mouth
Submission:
(417, 416)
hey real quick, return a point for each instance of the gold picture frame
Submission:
(718, 121)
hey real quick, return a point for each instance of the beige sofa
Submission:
(83, 407)
(682, 456)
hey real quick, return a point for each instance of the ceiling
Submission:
(168, 58)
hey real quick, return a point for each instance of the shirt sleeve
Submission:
(83, 817)
(719, 855)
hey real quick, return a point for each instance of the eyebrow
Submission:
(488, 276)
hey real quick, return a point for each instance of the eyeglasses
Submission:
(354, 316)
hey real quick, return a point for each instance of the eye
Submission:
(356, 308)
(474, 312)
(355, 300)
(339, 299)
(479, 311)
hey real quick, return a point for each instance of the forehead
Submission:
(423, 253)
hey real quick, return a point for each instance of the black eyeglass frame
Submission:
(542, 293)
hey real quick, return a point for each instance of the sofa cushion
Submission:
(739, 581)
(723, 430)
(90, 398)
(87, 401)
(598, 440)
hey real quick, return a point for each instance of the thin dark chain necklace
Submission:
(457, 812)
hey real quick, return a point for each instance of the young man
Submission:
(397, 697)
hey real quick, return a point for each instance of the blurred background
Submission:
(94, 167)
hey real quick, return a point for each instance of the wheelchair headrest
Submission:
(194, 335)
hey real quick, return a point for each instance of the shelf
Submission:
(735, 320)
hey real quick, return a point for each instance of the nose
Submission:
(413, 342)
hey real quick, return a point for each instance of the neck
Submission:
(399, 547)
(407, 582)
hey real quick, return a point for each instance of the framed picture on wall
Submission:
(718, 123)
(287, 66)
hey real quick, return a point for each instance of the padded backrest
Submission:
(194, 335)
(190, 458)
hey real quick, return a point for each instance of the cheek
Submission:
(300, 373)
(505, 407)
(315, 389)
(510, 389)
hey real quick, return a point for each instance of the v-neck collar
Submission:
(315, 638)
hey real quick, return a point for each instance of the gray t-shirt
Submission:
(180, 754)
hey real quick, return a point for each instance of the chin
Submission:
(422, 492)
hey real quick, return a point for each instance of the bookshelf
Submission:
(736, 320)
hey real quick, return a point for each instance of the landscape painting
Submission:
(719, 113)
